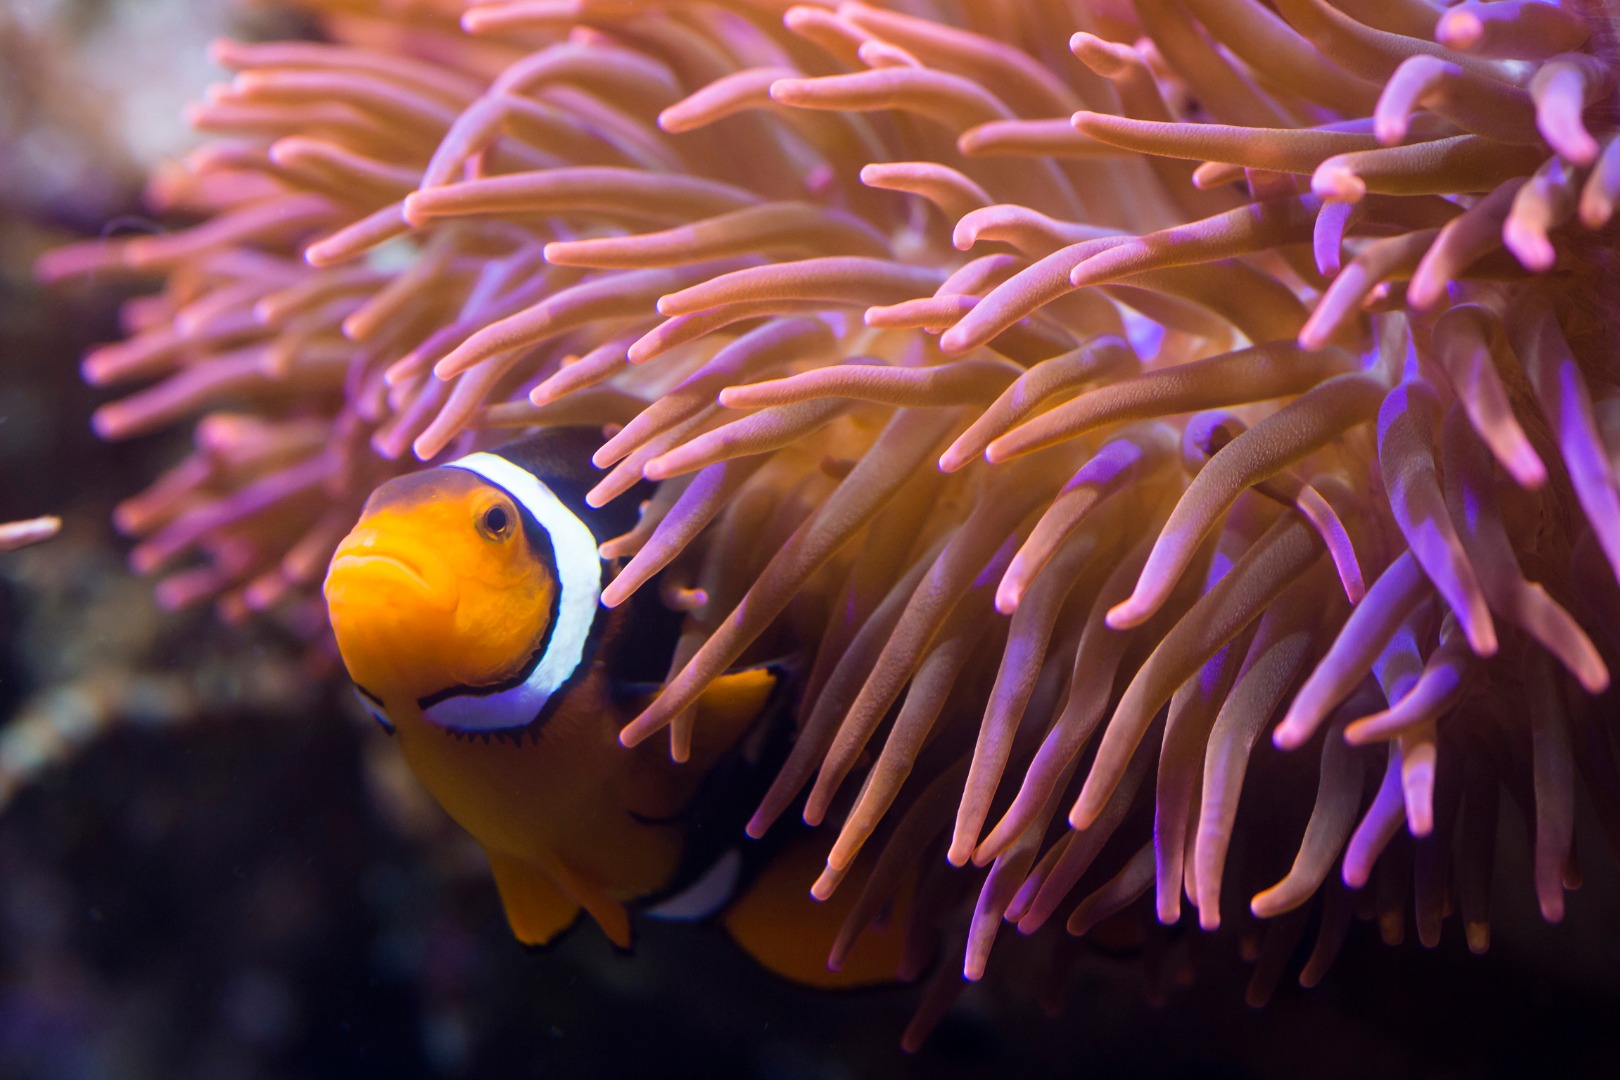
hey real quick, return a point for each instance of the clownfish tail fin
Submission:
(776, 922)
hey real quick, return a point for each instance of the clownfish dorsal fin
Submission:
(536, 909)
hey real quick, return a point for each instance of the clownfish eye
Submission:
(495, 523)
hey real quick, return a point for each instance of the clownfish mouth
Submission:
(366, 574)
(370, 562)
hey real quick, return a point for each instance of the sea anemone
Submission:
(20, 534)
(1079, 414)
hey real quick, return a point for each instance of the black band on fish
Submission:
(374, 707)
(579, 584)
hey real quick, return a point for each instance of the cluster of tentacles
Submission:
(1079, 411)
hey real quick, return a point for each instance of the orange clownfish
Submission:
(466, 606)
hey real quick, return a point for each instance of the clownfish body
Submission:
(466, 607)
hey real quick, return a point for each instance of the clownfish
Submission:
(466, 605)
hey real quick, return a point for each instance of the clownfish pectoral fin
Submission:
(777, 922)
(729, 706)
(609, 913)
(658, 785)
(536, 909)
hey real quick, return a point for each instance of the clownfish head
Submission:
(469, 590)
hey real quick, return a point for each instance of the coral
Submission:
(1077, 413)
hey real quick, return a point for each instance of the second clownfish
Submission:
(466, 606)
